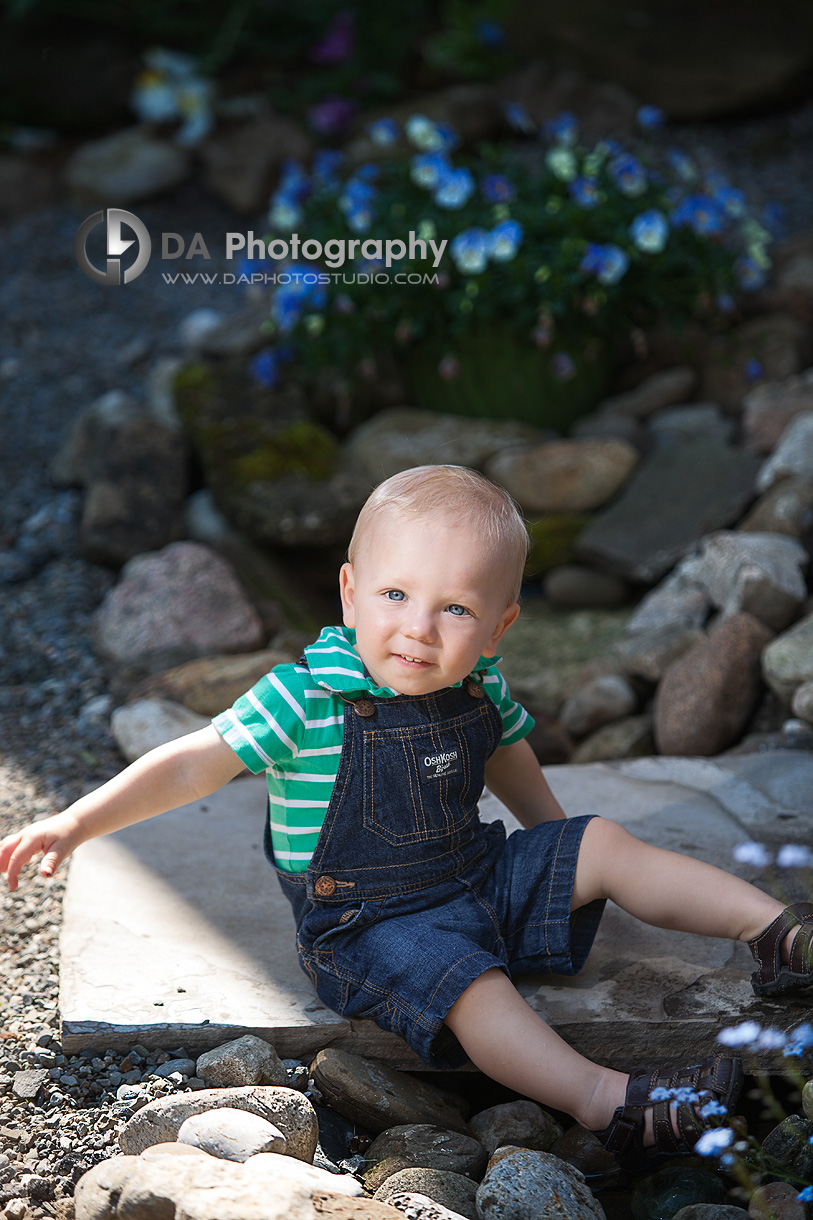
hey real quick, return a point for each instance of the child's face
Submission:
(426, 601)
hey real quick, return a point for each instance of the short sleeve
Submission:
(516, 722)
(265, 726)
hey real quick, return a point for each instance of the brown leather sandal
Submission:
(772, 977)
(718, 1079)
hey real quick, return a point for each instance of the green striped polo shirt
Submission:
(291, 723)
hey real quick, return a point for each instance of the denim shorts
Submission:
(403, 961)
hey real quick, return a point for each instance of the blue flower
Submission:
(264, 368)
(628, 175)
(326, 163)
(681, 164)
(497, 188)
(455, 189)
(727, 197)
(504, 240)
(285, 210)
(490, 33)
(752, 853)
(608, 263)
(712, 1143)
(649, 231)
(749, 275)
(650, 117)
(427, 169)
(744, 1034)
(562, 164)
(563, 367)
(301, 294)
(427, 135)
(585, 192)
(806, 1195)
(383, 132)
(564, 129)
(792, 855)
(356, 202)
(470, 251)
(713, 1109)
(771, 1040)
(518, 118)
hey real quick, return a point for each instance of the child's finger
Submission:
(50, 863)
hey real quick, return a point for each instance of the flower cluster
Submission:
(790, 855)
(560, 246)
(171, 88)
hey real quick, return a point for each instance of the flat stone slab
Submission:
(176, 933)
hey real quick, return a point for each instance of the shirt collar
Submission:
(335, 665)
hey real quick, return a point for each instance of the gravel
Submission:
(64, 342)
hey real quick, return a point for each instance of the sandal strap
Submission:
(766, 948)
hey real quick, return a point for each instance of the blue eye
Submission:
(394, 595)
(457, 611)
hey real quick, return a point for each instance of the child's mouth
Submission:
(413, 662)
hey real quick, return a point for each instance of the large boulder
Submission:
(125, 168)
(770, 407)
(185, 596)
(707, 696)
(787, 662)
(758, 573)
(527, 1185)
(676, 495)
(569, 476)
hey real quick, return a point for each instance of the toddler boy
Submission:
(409, 910)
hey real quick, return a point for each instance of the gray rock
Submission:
(780, 510)
(125, 167)
(706, 697)
(676, 496)
(184, 595)
(648, 654)
(802, 702)
(777, 1201)
(757, 573)
(242, 161)
(573, 587)
(567, 476)
(527, 1185)
(246, 1060)
(686, 423)
(523, 1123)
(231, 1135)
(417, 1206)
(429, 1147)
(710, 1211)
(599, 702)
(28, 1083)
(239, 334)
(450, 1190)
(379, 1097)
(186, 1067)
(787, 662)
(297, 510)
(581, 1149)
(769, 408)
(97, 1191)
(662, 389)
(271, 1167)
(141, 726)
(793, 456)
(627, 738)
(400, 437)
(779, 341)
(675, 601)
(598, 426)
(160, 1121)
(789, 1144)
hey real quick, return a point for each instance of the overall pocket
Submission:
(422, 784)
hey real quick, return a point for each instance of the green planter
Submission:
(501, 376)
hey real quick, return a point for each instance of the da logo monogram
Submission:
(113, 219)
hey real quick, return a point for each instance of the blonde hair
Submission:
(463, 494)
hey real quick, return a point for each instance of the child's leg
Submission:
(506, 1039)
(667, 889)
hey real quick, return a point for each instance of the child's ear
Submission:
(508, 617)
(347, 594)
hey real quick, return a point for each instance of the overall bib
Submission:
(394, 913)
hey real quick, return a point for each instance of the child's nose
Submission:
(420, 626)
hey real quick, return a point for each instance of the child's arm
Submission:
(171, 775)
(514, 776)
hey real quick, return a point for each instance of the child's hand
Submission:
(55, 837)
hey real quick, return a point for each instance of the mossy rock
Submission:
(553, 540)
(504, 376)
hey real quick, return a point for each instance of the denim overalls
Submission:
(394, 914)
